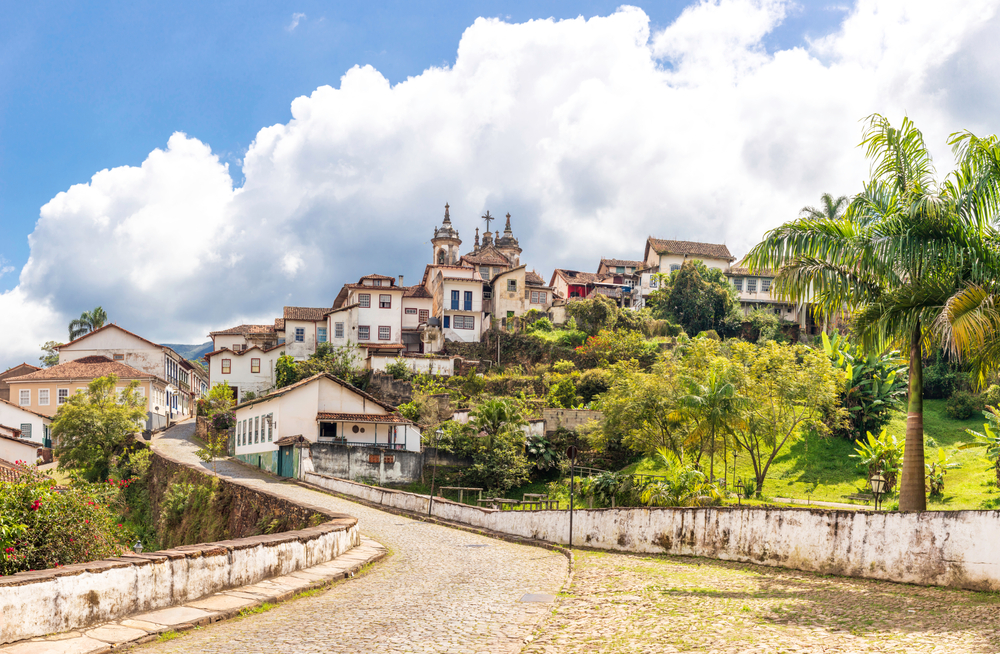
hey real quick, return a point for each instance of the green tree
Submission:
(698, 299)
(498, 460)
(643, 411)
(87, 322)
(608, 347)
(594, 315)
(96, 425)
(904, 247)
(50, 356)
(286, 372)
(786, 389)
(339, 361)
(219, 409)
(830, 208)
(715, 408)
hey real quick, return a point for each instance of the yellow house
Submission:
(44, 391)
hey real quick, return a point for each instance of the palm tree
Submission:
(832, 208)
(904, 247)
(714, 405)
(87, 322)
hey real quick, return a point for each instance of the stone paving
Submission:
(626, 603)
(440, 590)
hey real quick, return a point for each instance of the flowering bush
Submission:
(42, 527)
(223, 421)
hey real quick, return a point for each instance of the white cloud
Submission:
(296, 19)
(592, 133)
(5, 267)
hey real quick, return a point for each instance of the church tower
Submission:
(509, 246)
(446, 242)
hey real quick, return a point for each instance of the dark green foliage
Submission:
(592, 316)
(542, 452)
(563, 394)
(698, 299)
(942, 377)
(593, 382)
(962, 405)
(285, 371)
(399, 369)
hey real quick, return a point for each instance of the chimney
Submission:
(400, 280)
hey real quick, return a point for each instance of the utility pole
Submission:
(571, 453)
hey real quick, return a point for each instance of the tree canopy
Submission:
(698, 298)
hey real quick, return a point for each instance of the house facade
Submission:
(31, 425)
(44, 391)
(245, 371)
(369, 315)
(668, 256)
(185, 382)
(15, 371)
(320, 409)
(515, 292)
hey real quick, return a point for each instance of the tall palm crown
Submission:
(831, 207)
(904, 247)
(87, 322)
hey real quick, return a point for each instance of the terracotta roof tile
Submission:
(417, 291)
(691, 248)
(243, 330)
(310, 314)
(577, 277)
(533, 278)
(363, 417)
(623, 262)
(85, 368)
(309, 380)
(279, 324)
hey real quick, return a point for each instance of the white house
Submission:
(247, 370)
(320, 409)
(185, 382)
(368, 314)
(669, 256)
(457, 296)
(304, 328)
(31, 425)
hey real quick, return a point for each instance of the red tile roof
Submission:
(623, 262)
(309, 314)
(691, 248)
(576, 277)
(363, 417)
(417, 291)
(88, 368)
(375, 276)
(371, 345)
(533, 278)
(20, 365)
(279, 324)
(243, 330)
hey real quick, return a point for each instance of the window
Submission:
(424, 315)
(738, 283)
(43, 397)
(321, 334)
(24, 398)
(227, 366)
(454, 300)
(765, 285)
(384, 301)
(465, 322)
(675, 266)
(300, 334)
(510, 314)
(376, 282)
(410, 312)
(365, 300)
(384, 333)
(487, 294)
(484, 272)
(119, 357)
(654, 282)
(62, 395)
(447, 322)
(468, 301)
(364, 332)
(26, 430)
(255, 365)
(619, 269)
(338, 330)
(512, 285)
(270, 427)
(751, 285)
(538, 297)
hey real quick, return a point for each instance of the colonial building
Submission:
(271, 431)
(185, 381)
(517, 291)
(32, 426)
(16, 371)
(44, 391)
(669, 256)
(368, 314)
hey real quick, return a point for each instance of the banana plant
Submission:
(936, 471)
(989, 439)
(881, 455)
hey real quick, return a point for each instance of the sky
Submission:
(191, 166)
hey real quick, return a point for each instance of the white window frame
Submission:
(464, 322)
(21, 395)
(43, 397)
(26, 430)
(738, 283)
(765, 285)
(62, 396)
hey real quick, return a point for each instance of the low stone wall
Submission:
(356, 462)
(939, 548)
(570, 419)
(76, 596)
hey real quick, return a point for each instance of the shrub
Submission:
(563, 394)
(709, 333)
(592, 383)
(962, 405)
(399, 369)
(42, 528)
(992, 396)
(611, 347)
(572, 338)
(542, 325)
(881, 455)
(941, 378)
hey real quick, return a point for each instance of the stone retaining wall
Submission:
(939, 548)
(75, 596)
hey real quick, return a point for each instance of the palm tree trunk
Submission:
(911, 489)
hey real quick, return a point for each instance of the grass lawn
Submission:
(821, 468)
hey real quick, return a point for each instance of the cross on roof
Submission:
(488, 218)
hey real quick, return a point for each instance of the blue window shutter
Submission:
(447, 320)
(468, 300)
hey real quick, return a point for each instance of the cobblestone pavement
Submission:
(440, 590)
(625, 603)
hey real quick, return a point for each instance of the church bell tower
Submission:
(446, 244)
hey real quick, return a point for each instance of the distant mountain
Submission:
(193, 352)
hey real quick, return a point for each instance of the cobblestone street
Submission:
(440, 590)
(631, 603)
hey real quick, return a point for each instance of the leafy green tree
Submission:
(698, 299)
(989, 440)
(498, 459)
(219, 409)
(286, 372)
(50, 356)
(643, 411)
(881, 455)
(87, 322)
(594, 315)
(339, 361)
(904, 250)
(94, 426)
(683, 485)
(786, 389)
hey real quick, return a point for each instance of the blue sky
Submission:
(89, 86)
(191, 166)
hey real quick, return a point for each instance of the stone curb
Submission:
(135, 630)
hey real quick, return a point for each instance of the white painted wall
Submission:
(241, 363)
(418, 364)
(19, 450)
(13, 416)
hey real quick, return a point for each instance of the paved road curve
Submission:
(440, 590)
